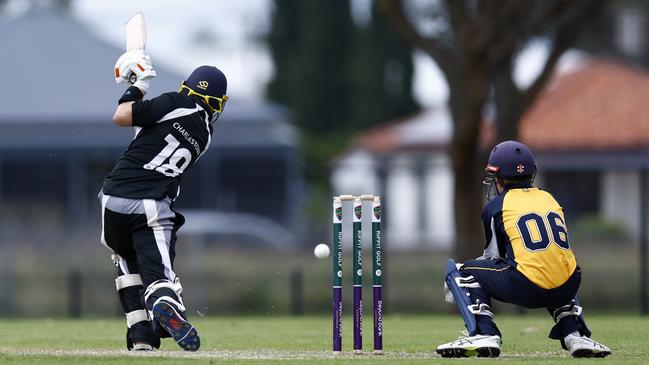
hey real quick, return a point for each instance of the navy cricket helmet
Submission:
(510, 160)
(209, 85)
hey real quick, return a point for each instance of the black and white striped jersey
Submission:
(171, 132)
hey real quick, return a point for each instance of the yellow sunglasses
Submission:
(216, 104)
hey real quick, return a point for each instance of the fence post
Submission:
(644, 238)
(296, 291)
(74, 293)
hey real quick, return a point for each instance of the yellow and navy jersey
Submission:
(527, 225)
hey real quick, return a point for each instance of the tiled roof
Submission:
(427, 129)
(382, 138)
(602, 105)
(598, 106)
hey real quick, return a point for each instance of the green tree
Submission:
(310, 44)
(284, 42)
(336, 76)
(381, 74)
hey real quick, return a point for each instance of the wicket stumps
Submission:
(357, 254)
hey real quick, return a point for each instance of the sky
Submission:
(232, 39)
(229, 34)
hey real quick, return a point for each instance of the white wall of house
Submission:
(402, 198)
(619, 198)
(408, 195)
(355, 174)
(439, 201)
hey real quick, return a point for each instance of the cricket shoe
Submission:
(582, 346)
(185, 335)
(465, 346)
(142, 346)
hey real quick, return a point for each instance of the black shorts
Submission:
(143, 233)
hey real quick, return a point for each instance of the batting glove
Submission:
(134, 66)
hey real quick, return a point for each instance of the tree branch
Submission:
(566, 35)
(525, 27)
(459, 17)
(496, 18)
(393, 10)
(561, 44)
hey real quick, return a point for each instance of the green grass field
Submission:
(307, 340)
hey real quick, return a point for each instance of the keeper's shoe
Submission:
(582, 346)
(180, 330)
(478, 345)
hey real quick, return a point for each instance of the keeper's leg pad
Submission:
(568, 318)
(458, 286)
(571, 309)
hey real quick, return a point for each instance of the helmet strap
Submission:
(490, 186)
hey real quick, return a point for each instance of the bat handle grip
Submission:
(132, 78)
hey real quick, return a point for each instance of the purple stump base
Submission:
(378, 320)
(358, 319)
(337, 307)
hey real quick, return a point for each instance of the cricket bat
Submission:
(135, 38)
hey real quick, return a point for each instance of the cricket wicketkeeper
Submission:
(172, 131)
(527, 261)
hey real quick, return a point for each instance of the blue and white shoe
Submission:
(185, 335)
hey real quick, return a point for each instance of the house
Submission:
(57, 141)
(589, 130)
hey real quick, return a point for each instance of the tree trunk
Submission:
(508, 100)
(466, 107)
(468, 205)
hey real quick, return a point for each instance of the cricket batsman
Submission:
(527, 261)
(139, 224)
